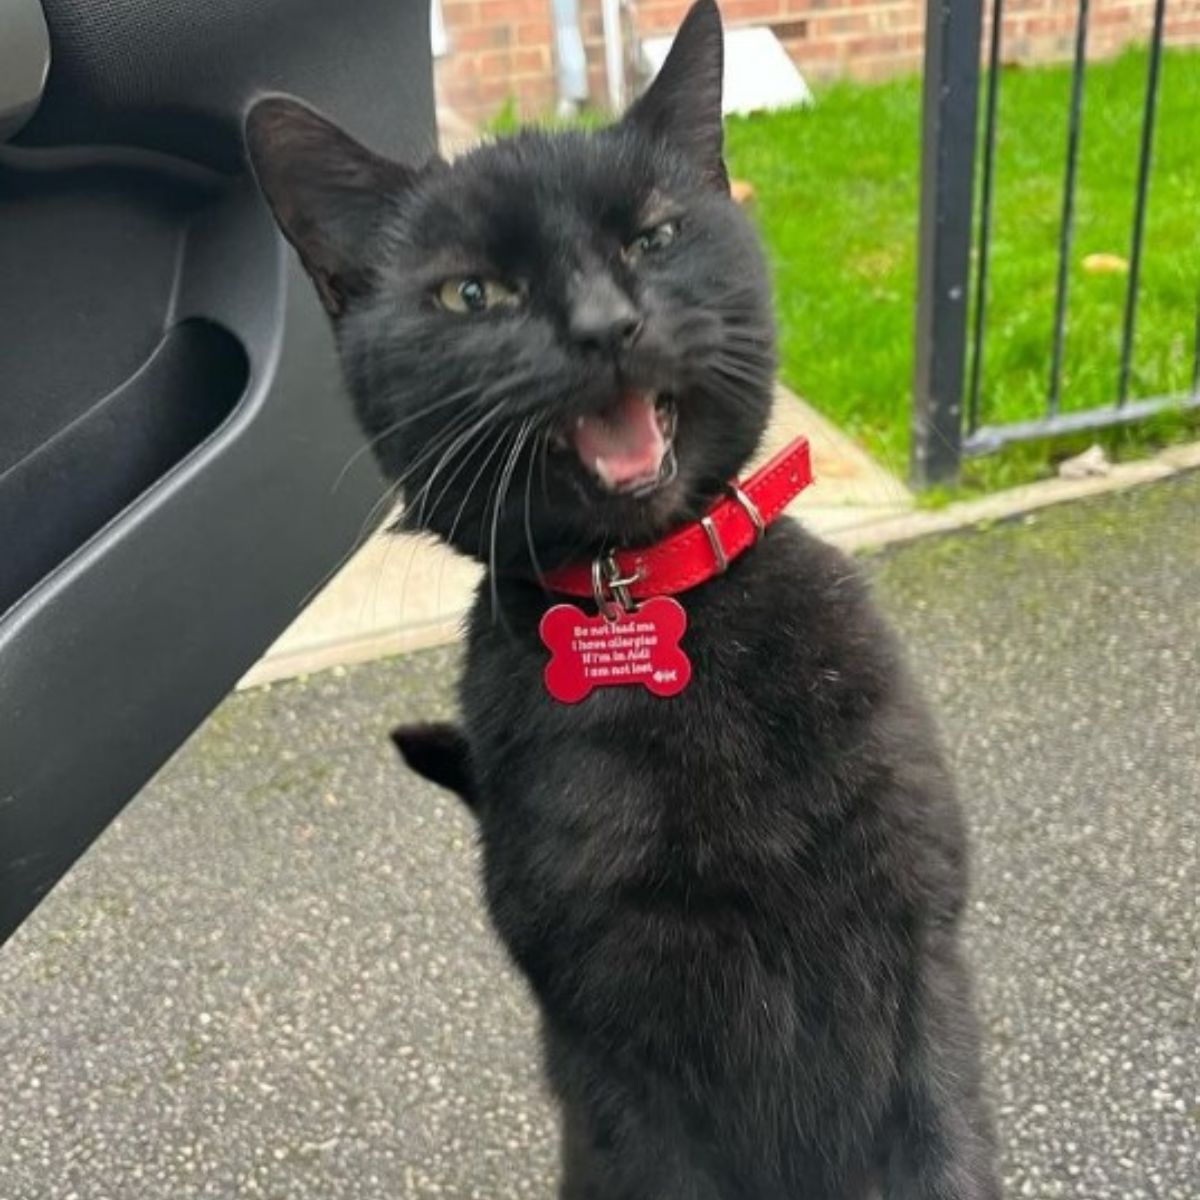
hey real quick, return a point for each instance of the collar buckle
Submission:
(710, 531)
(747, 506)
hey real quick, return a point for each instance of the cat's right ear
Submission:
(683, 103)
(330, 195)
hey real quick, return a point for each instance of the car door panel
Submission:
(173, 428)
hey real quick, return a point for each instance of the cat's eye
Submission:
(476, 294)
(649, 241)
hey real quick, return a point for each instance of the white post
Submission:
(614, 52)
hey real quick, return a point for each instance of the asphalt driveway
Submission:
(273, 976)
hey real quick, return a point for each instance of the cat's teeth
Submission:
(624, 445)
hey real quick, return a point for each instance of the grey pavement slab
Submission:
(273, 975)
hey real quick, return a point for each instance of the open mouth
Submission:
(629, 446)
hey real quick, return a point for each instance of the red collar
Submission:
(697, 552)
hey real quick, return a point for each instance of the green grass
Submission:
(836, 199)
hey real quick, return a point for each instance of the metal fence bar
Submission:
(1139, 211)
(985, 217)
(949, 108)
(1196, 355)
(993, 437)
(1068, 212)
(941, 437)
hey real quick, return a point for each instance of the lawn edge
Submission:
(1016, 502)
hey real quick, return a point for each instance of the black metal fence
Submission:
(948, 407)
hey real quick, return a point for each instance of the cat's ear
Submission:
(440, 753)
(329, 194)
(683, 104)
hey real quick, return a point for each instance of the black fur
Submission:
(738, 907)
(441, 754)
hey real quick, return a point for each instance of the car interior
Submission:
(173, 431)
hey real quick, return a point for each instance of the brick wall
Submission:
(497, 50)
(504, 49)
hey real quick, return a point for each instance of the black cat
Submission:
(738, 907)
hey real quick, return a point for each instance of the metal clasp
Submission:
(748, 507)
(611, 590)
(710, 530)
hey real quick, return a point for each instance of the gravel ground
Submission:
(273, 976)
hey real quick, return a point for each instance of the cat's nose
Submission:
(602, 317)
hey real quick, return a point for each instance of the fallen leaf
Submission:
(1105, 264)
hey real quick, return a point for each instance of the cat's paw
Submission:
(439, 752)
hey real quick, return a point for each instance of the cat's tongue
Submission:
(623, 445)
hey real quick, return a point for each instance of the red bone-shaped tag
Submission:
(639, 647)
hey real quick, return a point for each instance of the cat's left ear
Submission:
(330, 195)
(683, 104)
